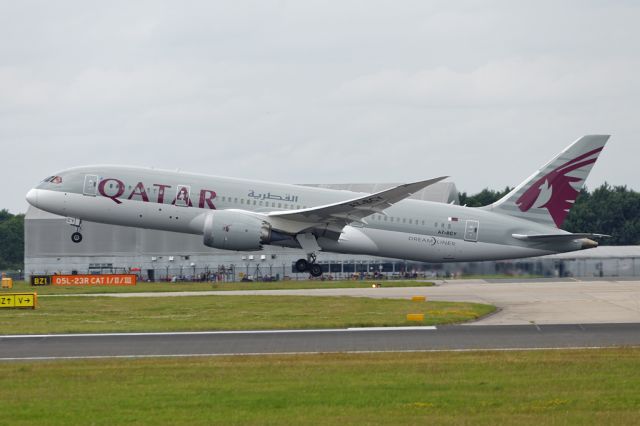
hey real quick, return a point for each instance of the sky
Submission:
(317, 91)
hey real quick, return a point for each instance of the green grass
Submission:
(204, 286)
(194, 313)
(572, 387)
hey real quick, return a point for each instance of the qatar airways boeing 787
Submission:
(244, 215)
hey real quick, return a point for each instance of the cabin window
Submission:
(279, 205)
(410, 221)
(254, 202)
(235, 200)
(241, 200)
(273, 204)
(404, 220)
(261, 202)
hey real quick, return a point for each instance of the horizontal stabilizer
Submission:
(548, 238)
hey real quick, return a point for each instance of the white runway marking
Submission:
(195, 333)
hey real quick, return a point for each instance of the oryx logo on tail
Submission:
(558, 190)
(549, 193)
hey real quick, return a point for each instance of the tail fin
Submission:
(548, 195)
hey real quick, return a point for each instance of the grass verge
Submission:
(204, 286)
(485, 388)
(196, 313)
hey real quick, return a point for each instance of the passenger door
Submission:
(471, 230)
(183, 196)
(90, 187)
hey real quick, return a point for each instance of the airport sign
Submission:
(18, 300)
(94, 280)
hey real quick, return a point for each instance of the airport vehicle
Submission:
(244, 215)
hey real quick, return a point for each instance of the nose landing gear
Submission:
(76, 237)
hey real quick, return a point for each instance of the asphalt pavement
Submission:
(454, 337)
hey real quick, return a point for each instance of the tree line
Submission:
(11, 241)
(612, 210)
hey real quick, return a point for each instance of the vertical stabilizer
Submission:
(548, 195)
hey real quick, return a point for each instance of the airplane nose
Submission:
(32, 197)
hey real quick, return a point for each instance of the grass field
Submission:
(570, 387)
(204, 286)
(193, 313)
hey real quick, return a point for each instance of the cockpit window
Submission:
(53, 179)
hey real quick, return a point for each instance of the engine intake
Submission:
(238, 231)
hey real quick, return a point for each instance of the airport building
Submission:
(162, 255)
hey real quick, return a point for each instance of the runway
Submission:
(455, 337)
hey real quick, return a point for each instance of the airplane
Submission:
(245, 215)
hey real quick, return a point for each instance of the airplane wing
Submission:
(337, 215)
(548, 238)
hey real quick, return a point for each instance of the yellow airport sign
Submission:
(18, 300)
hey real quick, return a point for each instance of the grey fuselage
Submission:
(410, 229)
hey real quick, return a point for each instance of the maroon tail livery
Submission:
(548, 195)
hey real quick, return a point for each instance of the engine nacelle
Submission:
(238, 231)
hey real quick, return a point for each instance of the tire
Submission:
(302, 265)
(315, 270)
(76, 237)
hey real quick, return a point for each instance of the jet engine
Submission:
(232, 230)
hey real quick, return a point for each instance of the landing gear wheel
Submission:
(315, 270)
(302, 265)
(76, 237)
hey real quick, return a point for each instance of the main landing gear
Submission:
(310, 246)
(309, 265)
(76, 237)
